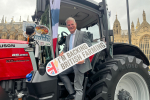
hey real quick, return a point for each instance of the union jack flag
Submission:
(52, 68)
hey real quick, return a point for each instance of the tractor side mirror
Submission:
(30, 30)
(63, 38)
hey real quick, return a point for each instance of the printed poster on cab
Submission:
(42, 35)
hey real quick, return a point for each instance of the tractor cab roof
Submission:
(85, 12)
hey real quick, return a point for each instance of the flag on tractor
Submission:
(55, 8)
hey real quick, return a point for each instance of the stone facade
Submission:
(12, 30)
(140, 35)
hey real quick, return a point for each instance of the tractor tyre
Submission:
(122, 78)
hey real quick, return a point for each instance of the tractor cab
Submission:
(93, 18)
(90, 17)
(120, 71)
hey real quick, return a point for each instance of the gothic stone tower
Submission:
(140, 35)
(12, 30)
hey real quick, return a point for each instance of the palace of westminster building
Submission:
(12, 30)
(140, 35)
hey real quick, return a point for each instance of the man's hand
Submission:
(61, 53)
(81, 62)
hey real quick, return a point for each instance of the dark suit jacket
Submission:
(80, 37)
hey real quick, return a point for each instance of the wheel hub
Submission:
(124, 95)
(133, 83)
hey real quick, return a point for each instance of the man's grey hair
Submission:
(70, 18)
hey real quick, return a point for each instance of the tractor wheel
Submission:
(121, 78)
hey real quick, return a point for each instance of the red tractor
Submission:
(16, 63)
(120, 72)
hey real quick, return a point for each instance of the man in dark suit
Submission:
(74, 39)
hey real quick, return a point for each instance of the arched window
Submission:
(145, 45)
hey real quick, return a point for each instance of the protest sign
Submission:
(42, 35)
(72, 57)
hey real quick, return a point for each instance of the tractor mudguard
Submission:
(128, 49)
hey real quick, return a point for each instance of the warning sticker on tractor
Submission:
(72, 57)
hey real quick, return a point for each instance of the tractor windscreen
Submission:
(87, 19)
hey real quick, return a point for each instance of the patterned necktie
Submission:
(70, 42)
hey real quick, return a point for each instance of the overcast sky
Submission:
(25, 8)
(17, 8)
(136, 10)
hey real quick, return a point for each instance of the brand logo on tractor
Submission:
(6, 45)
(12, 60)
(53, 67)
(19, 54)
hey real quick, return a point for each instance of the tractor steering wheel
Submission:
(63, 38)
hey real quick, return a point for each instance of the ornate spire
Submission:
(116, 17)
(5, 20)
(138, 24)
(132, 27)
(12, 19)
(144, 16)
(2, 21)
(20, 19)
(117, 27)
(116, 21)
(132, 24)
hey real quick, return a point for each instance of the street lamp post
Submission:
(128, 20)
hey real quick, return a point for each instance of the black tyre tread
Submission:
(100, 83)
(106, 70)
(100, 96)
(109, 70)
